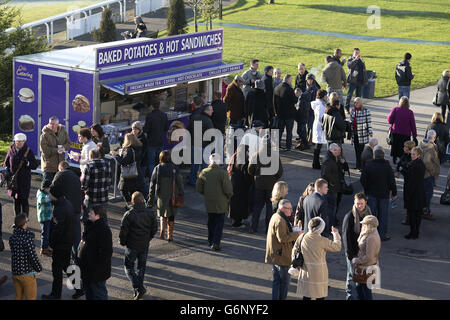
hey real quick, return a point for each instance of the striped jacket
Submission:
(363, 125)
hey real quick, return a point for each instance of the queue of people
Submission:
(243, 190)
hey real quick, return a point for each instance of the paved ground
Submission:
(187, 269)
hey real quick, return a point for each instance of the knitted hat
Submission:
(257, 123)
(20, 137)
(370, 220)
(316, 225)
(137, 125)
(310, 76)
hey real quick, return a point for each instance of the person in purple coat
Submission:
(403, 124)
(17, 153)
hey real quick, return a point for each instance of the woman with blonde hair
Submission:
(334, 99)
(403, 125)
(131, 153)
(165, 182)
(361, 128)
(442, 138)
(313, 276)
(369, 244)
(279, 192)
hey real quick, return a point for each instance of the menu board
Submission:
(181, 97)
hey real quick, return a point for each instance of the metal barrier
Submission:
(86, 24)
(82, 21)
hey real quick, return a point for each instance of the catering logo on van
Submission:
(23, 73)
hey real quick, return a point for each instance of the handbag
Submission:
(177, 199)
(390, 137)
(298, 260)
(347, 188)
(130, 171)
(361, 274)
(435, 99)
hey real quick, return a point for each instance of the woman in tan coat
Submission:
(369, 244)
(313, 277)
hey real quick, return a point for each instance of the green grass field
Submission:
(410, 19)
(399, 19)
(32, 11)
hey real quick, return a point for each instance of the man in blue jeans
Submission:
(351, 229)
(403, 76)
(137, 229)
(279, 244)
(378, 181)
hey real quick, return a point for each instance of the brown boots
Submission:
(171, 226)
(163, 226)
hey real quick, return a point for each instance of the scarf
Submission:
(285, 219)
(356, 213)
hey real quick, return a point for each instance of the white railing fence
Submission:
(84, 20)
(146, 6)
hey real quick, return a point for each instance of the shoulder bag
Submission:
(298, 260)
(177, 200)
(347, 188)
(130, 171)
(363, 273)
(11, 183)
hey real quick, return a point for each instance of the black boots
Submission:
(316, 159)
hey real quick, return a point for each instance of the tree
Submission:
(220, 9)
(176, 18)
(107, 31)
(195, 5)
(209, 10)
(16, 43)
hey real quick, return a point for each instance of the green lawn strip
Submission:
(33, 11)
(400, 19)
(285, 50)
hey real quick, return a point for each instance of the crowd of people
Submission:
(72, 203)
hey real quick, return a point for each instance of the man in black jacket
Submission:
(303, 106)
(256, 104)
(268, 90)
(69, 183)
(315, 205)
(403, 76)
(137, 228)
(356, 77)
(378, 181)
(156, 123)
(219, 116)
(61, 241)
(333, 124)
(300, 79)
(333, 169)
(95, 255)
(202, 120)
(351, 228)
(284, 100)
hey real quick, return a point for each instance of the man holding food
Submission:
(53, 143)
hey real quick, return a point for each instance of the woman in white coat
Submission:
(318, 137)
(313, 277)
